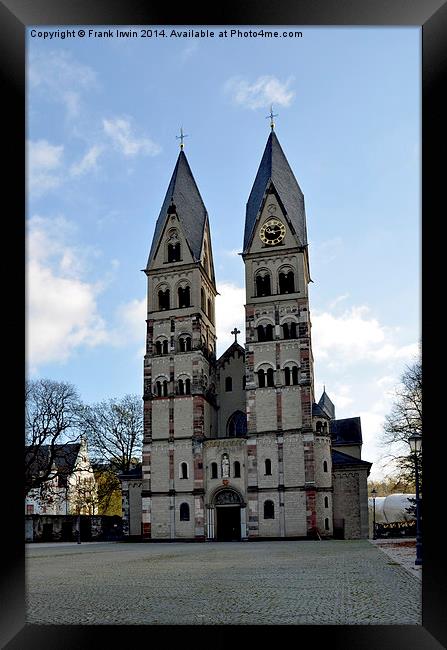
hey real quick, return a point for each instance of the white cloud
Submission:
(87, 162)
(62, 313)
(121, 133)
(261, 93)
(44, 162)
(355, 336)
(230, 313)
(131, 323)
(61, 78)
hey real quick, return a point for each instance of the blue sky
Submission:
(102, 120)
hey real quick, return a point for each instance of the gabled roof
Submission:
(135, 473)
(339, 458)
(64, 459)
(346, 432)
(184, 194)
(229, 352)
(274, 167)
(327, 405)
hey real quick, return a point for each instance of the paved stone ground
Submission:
(402, 551)
(290, 582)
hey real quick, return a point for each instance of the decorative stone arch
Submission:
(226, 502)
(265, 328)
(217, 496)
(160, 386)
(237, 424)
(286, 279)
(184, 383)
(173, 247)
(183, 293)
(184, 340)
(263, 282)
(162, 296)
(161, 344)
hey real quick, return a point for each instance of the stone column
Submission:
(243, 523)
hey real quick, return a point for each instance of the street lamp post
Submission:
(374, 494)
(415, 445)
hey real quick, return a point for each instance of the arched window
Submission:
(158, 388)
(269, 510)
(261, 378)
(270, 377)
(319, 426)
(237, 424)
(287, 376)
(213, 470)
(326, 524)
(261, 333)
(163, 299)
(289, 330)
(158, 347)
(286, 282)
(268, 467)
(188, 386)
(165, 388)
(181, 343)
(237, 469)
(325, 466)
(184, 344)
(184, 297)
(269, 333)
(181, 387)
(228, 384)
(184, 512)
(183, 470)
(295, 375)
(202, 299)
(326, 502)
(174, 252)
(165, 346)
(263, 284)
(210, 312)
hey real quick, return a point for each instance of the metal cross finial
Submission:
(235, 332)
(271, 116)
(181, 137)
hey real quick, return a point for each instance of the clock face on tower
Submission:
(272, 232)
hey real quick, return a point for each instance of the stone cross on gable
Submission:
(235, 332)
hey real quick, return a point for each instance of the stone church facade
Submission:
(237, 448)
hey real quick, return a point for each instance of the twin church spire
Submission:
(274, 175)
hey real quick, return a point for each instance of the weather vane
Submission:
(271, 116)
(181, 137)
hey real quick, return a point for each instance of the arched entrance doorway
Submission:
(228, 504)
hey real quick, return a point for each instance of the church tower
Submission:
(289, 471)
(179, 364)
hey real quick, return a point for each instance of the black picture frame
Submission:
(431, 16)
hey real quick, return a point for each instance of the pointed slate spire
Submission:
(274, 167)
(184, 195)
(327, 405)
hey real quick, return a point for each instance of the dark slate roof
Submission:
(184, 194)
(229, 352)
(346, 432)
(339, 458)
(327, 405)
(318, 411)
(135, 473)
(274, 167)
(64, 458)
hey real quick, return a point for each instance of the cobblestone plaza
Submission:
(287, 582)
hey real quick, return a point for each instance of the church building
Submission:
(237, 447)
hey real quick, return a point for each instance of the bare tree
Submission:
(51, 422)
(404, 420)
(114, 429)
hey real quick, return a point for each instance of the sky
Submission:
(103, 114)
